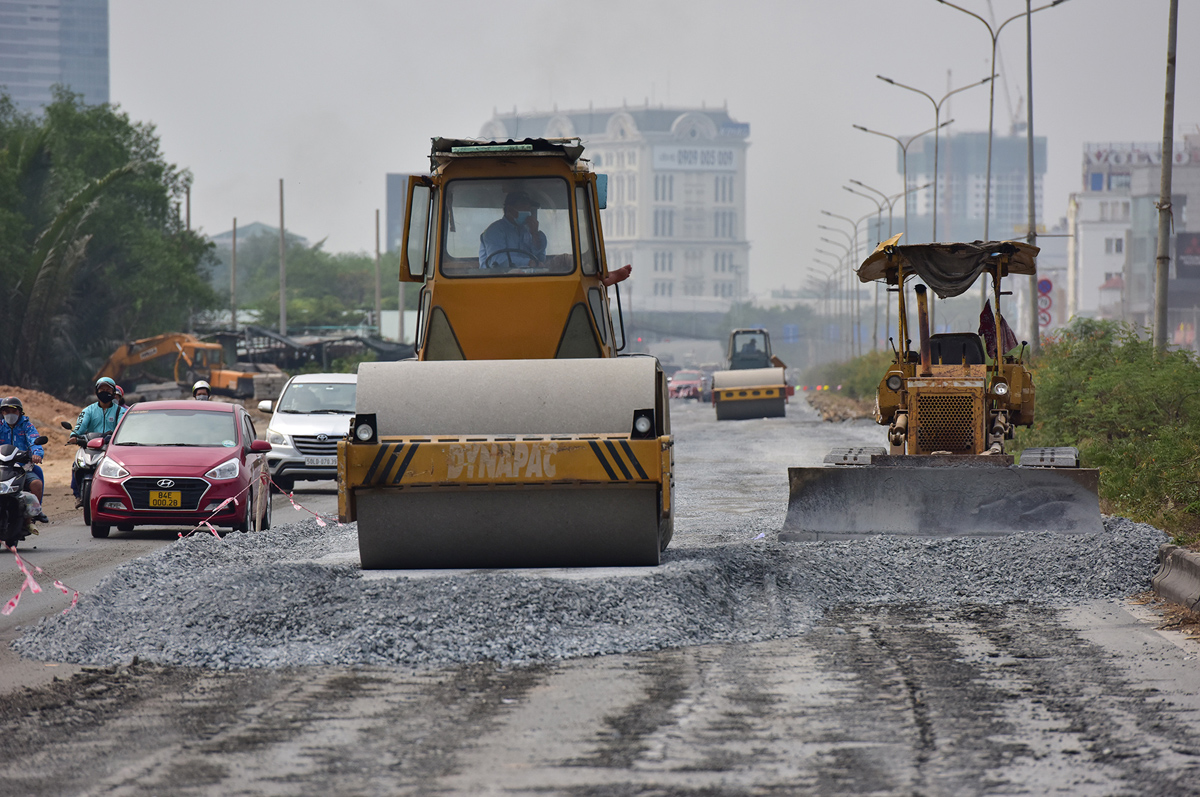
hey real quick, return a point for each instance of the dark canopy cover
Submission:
(949, 269)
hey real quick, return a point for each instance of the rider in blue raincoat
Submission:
(16, 429)
(100, 416)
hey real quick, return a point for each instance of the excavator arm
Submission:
(175, 344)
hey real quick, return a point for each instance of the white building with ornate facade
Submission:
(676, 197)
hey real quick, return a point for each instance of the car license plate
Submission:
(320, 462)
(171, 499)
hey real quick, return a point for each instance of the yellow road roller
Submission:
(754, 385)
(517, 437)
(950, 407)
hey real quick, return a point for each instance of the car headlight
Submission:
(894, 382)
(1000, 388)
(109, 469)
(277, 438)
(226, 470)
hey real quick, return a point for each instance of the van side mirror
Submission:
(264, 405)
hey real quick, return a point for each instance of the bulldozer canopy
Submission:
(950, 269)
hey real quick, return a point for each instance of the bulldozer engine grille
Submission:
(946, 423)
(312, 446)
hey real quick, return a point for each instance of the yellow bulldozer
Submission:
(195, 359)
(754, 384)
(517, 437)
(950, 407)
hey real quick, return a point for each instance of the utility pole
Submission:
(1034, 336)
(378, 283)
(1162, 259)
(233, 280)
(282, 267)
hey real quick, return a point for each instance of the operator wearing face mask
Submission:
(513, 241)
(102, 416)
(19, 431)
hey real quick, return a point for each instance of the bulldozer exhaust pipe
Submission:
(923, 325)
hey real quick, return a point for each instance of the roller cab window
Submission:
(507, 227)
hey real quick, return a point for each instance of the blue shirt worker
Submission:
(100, 416)
(514, 240)
(19, 431)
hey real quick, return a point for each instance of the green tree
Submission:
(92, 250)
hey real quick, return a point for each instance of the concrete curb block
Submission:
(1178, 576)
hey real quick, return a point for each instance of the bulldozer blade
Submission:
(492, 528)
(849, 502)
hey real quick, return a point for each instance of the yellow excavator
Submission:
(754, 384)
(517, 437)
(194, 359)
(949, 407)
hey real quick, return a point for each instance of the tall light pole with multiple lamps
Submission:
(841, 300)
(878, 232)
(903, 144)
(937, 114)
(994, 33)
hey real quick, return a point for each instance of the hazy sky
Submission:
(331, 96)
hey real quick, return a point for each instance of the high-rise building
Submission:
(676, 197)
(53, 42)
(962, 181)
(1098, 221)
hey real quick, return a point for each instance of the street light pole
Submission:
(994, 33)
(856, 340)
(904, 159)
(878, 232)
(937, 114)
(844, 300)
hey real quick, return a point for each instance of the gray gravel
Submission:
(296, 596)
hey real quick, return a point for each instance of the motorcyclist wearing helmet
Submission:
(120, 397)
(16, 429)
(201, 391)
(100, 416)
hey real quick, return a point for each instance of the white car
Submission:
(313, 412)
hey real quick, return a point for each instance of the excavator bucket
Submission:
(937, 496)
(509, 463)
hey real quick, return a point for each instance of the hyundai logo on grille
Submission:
(322, 437)
(165, 483)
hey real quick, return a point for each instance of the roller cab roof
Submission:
(949, 269)
(444, 150)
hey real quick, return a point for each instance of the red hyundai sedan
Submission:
(177, 463)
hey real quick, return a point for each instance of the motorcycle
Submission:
(84, 467)
(17, 505)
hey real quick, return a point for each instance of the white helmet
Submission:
(201, 385)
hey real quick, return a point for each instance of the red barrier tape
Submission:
(31, 584)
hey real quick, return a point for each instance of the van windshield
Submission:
(315, 398)
(507, 227)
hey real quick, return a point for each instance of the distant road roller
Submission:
(755, 383)
(949, 407)
(517, 437)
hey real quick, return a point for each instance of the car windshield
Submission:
(507, 227)
(687, 376)
(309, 398)
(185, 427)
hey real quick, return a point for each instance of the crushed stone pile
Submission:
(296, 596)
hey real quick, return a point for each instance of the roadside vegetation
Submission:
(859, 377)
(93, 251)
(1132, 413)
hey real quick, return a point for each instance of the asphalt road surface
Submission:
(914, 699)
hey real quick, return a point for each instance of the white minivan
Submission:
(313, 412)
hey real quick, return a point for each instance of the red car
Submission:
(688, 385)
(174, 463)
